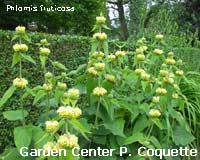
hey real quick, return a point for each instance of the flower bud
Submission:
(73, 94)
(51, 126)
(98, 54)
(154, 113)
(144, 76)
(111, 57)
(99, 91)
(44, 42)
(139, 71)
(164, 73)
(159, 36)
(48, 75)
(120, 53)
(100, 36)
(161, 91)
(171, 54)
(140, 57)
(179, 72)
(44, 51)
(92, 71)
(139, 50)
(110, 78)
(156, 99)
(68, 141)
(61, 86)
(20, 83)
(100, 20)
(20, 29)
(158, 51)
(69, 112)
(99, 66)
(20, 47)
(47, 87)
(175, 96)
(170, 61)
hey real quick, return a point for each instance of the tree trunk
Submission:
(124, 27)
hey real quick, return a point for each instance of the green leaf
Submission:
(78, 126)
(16, 59)
(59, 65)
(26, 38)
(15, 37)
(23, 136)
(11, 153)
(40, 137)
(15, 115)
(43, 60)
(157, 122)
(7, 95)
(182, 137)
(116, 127)
(28, 58)
(136, 137)
(40, 94)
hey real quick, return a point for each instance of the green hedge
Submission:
(71, 51)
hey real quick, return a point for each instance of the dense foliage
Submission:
(139, 97)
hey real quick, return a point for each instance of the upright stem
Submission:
(48, 106)
(21, 106)
(20, 69)
(66, 126)
(97, 113)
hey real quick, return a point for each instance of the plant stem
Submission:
(20, 69)
(66, 126)
(21, 106)
(48, 106)
(97, 113)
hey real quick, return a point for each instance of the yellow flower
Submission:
(164, 73)
(68, 141)
(48, 75)
(69, 112)
(175, 96)
(159, 36)
(179, 72)
(144, 76)
(111, 57)
(100, 36)
(47, 87)
(139, 71)
(168, 80)
(158, 51)
(100, 19)
(120, 53)
(20, 47)
(99, 91)
(171, 75)
(20, 83)
(154, 113)
(156, 99)
(44, 51)
(20, 29)
(61, 86)
(99, 66)
(144, 48)
(48, 146)
(170, 61)
(73, 94)
(140, 57)
(110, 78)
(98, 54)
(51, 126)
(92, 71)
(161, 91)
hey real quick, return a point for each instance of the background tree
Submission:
(78, 22)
